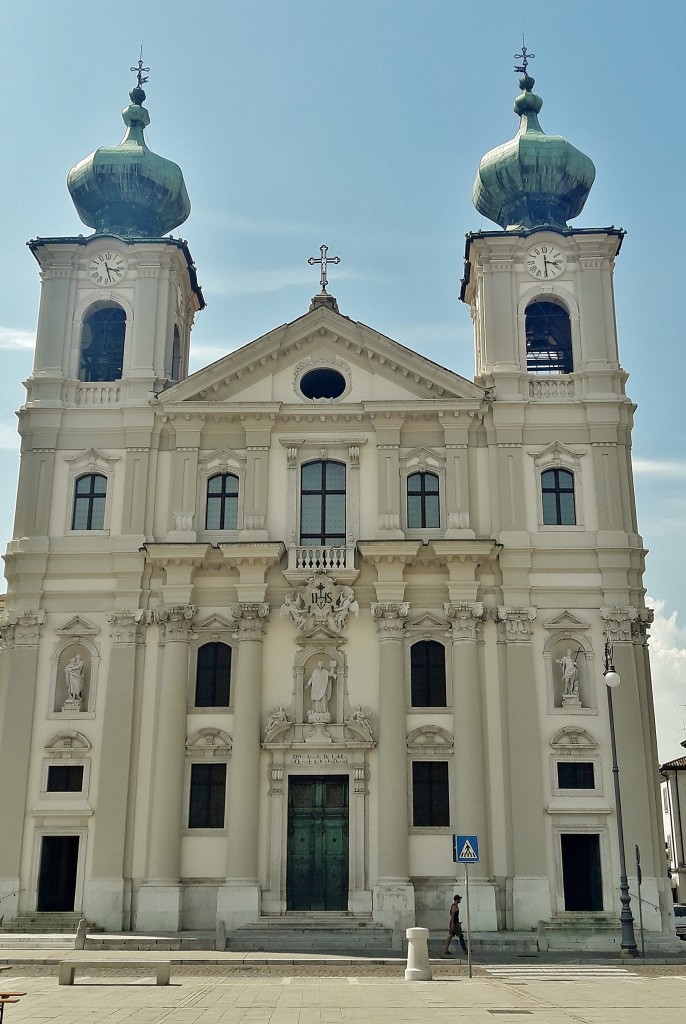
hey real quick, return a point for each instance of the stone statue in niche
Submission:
(570, 680)
(74, 679)
(321, 686)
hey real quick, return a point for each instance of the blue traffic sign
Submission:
(466, 849)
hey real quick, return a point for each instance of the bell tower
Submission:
(117, 306)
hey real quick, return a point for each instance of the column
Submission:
(238, 901)
(393, 897)
(530, 885)
(159, 898)
(18, 665)
(105, 889)
(469, 768)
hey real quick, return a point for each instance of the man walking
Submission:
(454, 927)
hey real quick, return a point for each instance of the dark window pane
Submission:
(221, 507)
(89, 502)
(422, 501)
(213, 676)
(207, 796)
(557, 491)
(567, 515)
(549, 510)
(430, 483)
(312, 476)
(311, 520)
(548, 338)
(430, 795)
(335, 476)
(575, 775)
(414, 483)
(102, 345)
(335, 514)
(414, 511)
(65, 778)
(427, 674)
(432, 518)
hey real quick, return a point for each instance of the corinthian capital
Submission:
(251, 620)
(176, 623)
(618, 622)
(390, 618)
(27, 628)
(465, 619)
(128, 627)
(517, 623)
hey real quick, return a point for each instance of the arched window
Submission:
(548, 338)
(322, 503)
(213, 676)
(557, 492)
(176, 355)
(102, 344)
(422, 502)
(90, 493)
(221, 512)
(427, 674)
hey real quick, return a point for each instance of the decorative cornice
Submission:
(251, 620)
(465, 617)
(390, 618)
(176, 623)
(517, 623)
(619, 623)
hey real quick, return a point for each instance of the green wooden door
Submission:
(317, 868)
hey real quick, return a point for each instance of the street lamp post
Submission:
(628, 945)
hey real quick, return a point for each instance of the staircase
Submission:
(45, 924)
(325, 933)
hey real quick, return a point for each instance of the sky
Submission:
(360, 124)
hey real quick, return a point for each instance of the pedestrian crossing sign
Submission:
(466, 849)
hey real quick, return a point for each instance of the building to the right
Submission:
(673, 789)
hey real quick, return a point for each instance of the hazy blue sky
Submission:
(360, 123)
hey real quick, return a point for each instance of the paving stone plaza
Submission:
(234, 990)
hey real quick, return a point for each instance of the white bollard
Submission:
(418, 967)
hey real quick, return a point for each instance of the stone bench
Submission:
(68, 968)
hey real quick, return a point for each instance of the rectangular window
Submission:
(575, 775)
(582, 880)
(427, 674)
(430, 794)
(65, 778)
(207, 796)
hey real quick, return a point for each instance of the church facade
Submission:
(276, 630)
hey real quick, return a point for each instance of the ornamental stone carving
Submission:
(320, 603)
(251, 620)
(642, 624)
(6, 635)
(517, 623)
(176, 623)
(465, 617)
(27, 628)
(128, 627)
(619, 623)
(390, 618)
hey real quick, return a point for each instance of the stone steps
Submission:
(311, 934)
(46, 924)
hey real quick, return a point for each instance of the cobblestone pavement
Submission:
(324, 994)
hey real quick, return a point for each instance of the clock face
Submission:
(545, 261)
(107, 268)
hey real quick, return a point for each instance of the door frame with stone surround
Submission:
(286, 762)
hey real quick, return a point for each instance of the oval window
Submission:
(322, 382)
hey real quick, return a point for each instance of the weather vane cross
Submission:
(323, 261)
(140, 71)
(525, 58)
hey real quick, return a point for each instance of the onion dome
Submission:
(127, 189)
(534, 180)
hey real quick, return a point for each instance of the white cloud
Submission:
(15, 339)
(9, 438)
(660, 467)
(668, 669)
(238, 281)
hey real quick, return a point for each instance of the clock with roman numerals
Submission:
(107, 268)
(545, 261)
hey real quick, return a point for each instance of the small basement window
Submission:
(322, 382)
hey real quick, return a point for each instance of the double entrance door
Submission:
(317, 862)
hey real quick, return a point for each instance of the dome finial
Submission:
(526, 82)
(137, 94)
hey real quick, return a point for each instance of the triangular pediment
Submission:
(375, 368)
(78, 626)
(565, 620)
(216, 624)
(427, 621)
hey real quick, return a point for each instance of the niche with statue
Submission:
(73, 681)
(570, 676)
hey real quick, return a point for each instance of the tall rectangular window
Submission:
(207, 796)
(430, 794)
(322, 503)
(557, 492)
(427, 674)
(213, 676)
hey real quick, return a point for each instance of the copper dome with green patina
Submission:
(127, 189)
(534, 180)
